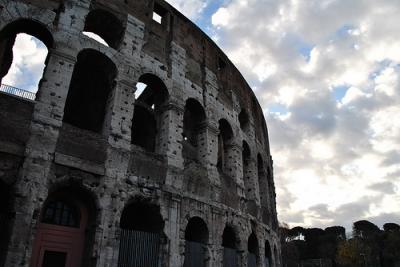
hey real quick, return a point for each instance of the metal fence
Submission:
(138, 249)
(194, 254)
(251, 260)
(17, 92)
(230, 257)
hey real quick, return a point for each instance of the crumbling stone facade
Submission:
(86, 163)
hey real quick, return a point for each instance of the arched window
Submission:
(59, 212)
(141, 230)
(193, 118)
(196, 237)
(252, 251)
(229, 243)
(224, 140)
(91, 83)
(244, 120)
(24, 46)
(105, 25)
(147, 112)
(263, 189)
(268, 254)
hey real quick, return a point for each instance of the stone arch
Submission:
(106, 25)
(8, 36)
(92, 82)
(268, 254)
(67, 228)
(230, 243)
(225, 139)
(142, 240)
(147, 116)
(263, 189)
(252, 251)
(196, 241)
(193, 119)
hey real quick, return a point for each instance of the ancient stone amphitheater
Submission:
(149, 151)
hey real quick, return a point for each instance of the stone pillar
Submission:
(172, 230)
(31, 187)
(170, 141)
(117, 127)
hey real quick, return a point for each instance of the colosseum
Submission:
(147, 150)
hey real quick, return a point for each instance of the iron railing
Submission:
(17, 92)
(137, 249)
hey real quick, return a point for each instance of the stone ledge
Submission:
(79, 163)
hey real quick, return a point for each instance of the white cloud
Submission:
(327, 151)
(26, 70)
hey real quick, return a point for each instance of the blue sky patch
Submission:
(340, 91)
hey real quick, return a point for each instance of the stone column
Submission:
(31, 187)
(172, 230)
(117, 127)
(170, 141)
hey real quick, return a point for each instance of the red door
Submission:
(60, 236)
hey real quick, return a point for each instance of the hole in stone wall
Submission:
(91, 83)
(24, 46)
(160, 14)
(105, 25)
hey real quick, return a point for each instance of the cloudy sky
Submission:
(327, 74)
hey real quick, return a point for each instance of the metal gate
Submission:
(194, 254)
(251, 260)
(138, 249)
(230, 257)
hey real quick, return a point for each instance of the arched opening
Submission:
(224, 140)
(252, 251)
(141, 235)
(268, 255)
(193, 119)
(245, 164)
(66, 230)
(263, 189)
(196, 239)
(106, 26)
(5, 219)
(147, 113)
(244, 120)
(91, 84)
(230, 245)
(24, 46)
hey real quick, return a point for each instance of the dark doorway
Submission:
(141, 234)
(54, 259)
(196, 239)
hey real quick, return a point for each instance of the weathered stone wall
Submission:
(41, 154)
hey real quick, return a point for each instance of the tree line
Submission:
(368, 246)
